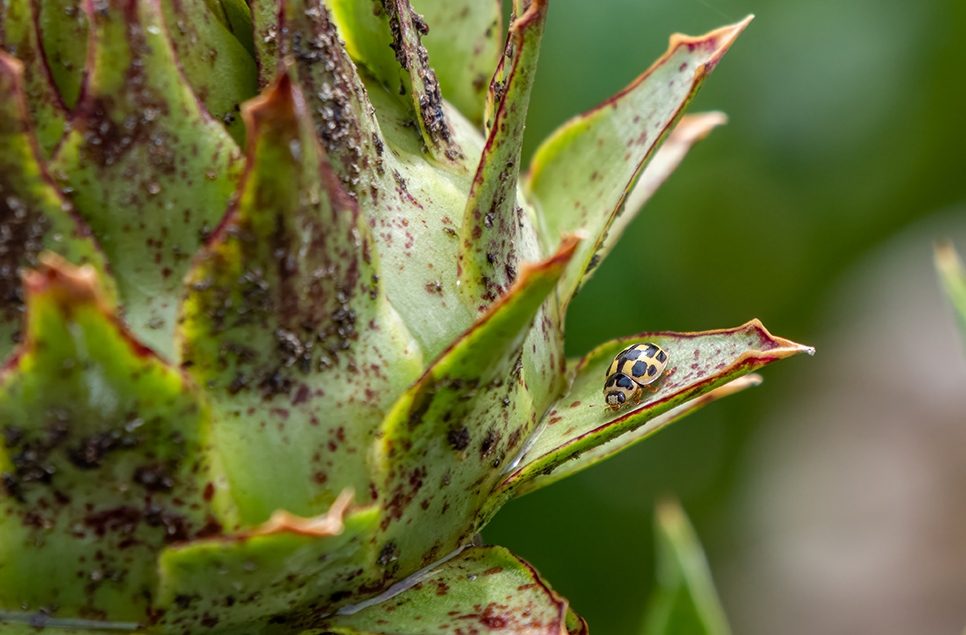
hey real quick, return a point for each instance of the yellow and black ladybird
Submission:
(619, 389)
(643, 362)
(631, 371)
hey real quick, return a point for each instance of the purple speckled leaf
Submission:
(288, 571)
(345, 121)
(445, 443)
(465, 41)
(606, 450)
(386, 37)
(483, 590)
(580, 175)
(33, 214)
(105, 459)
(217, 66)
(493, 238)
(698, 363)
(287, 325)
(146, 168)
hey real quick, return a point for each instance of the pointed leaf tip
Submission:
(459, 424)
(616, 138)
(579, 430)
(722, 38)
(282, 102)
(66, 284)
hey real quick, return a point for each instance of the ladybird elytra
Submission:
(643, 362)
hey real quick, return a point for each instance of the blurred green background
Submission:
(846, 126)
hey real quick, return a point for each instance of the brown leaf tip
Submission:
(328, 524)
(67, 284)
(278, 109)
(721, 39)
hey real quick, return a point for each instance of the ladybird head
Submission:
(619, 389)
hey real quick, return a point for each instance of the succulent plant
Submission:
(273, 360)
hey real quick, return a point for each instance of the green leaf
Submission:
(444, 443)
(580, 176)
(336, 98)
(106, 458)
(265, 27)
(952, 275)
(580, 422)
(483, 590)
(285, 571)
(609, 449)
(33, 214)
(19, 38)
(239, 18)
(464, 44)
(64, 29)
(493, 238)
(689, 130)
(386, 37)
(685, 601)
(287, 324)
(148, 171)
(217, 66)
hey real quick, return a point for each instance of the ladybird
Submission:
(640, 365)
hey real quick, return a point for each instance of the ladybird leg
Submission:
(650, 387)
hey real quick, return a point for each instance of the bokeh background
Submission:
(830, 499)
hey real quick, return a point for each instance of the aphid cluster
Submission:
(634, 369)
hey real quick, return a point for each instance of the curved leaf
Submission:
(615, 139)
(386, 36)
(699, 363)
(609, 449)
(952, 275)
(33, 214)
(220, 70)
(483, 590)
(64, 27)
(441, 448)
(20, 38)
(106, 458)
(493, 238)
(685, 601)
(464, 44)
(335, 96)
(147, 169)
(285, 571)
(286, 323)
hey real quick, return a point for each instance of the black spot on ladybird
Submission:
(623, 381)
(639, 369)
(652, 370)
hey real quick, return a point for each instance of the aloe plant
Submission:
(283, 326)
